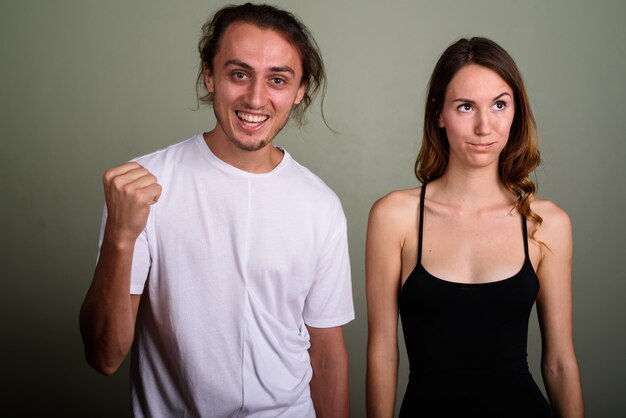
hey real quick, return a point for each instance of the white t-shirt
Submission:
(232, 267)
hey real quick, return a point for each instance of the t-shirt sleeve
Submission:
(141, 264)
(329, 302)
(141, 258)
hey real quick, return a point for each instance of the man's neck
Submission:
(259, 161)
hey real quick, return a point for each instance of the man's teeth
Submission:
(247, 117)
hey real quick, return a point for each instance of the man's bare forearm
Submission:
(330, 387)
(107, 316)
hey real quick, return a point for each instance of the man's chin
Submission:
(251, 146)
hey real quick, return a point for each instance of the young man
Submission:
(235, 256)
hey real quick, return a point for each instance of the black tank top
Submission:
(466, 343)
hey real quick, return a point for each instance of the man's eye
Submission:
(278, 81)
(239, 75)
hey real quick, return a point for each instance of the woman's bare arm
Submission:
(554, 306)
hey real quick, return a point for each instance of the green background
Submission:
(85, 85)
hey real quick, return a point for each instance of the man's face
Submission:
(256, 81)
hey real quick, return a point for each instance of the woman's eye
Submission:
(465, 107)
(500, 105)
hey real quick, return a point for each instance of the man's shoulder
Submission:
(311, 183)
(168, 156)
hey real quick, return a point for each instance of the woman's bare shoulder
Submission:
(396, 210)
(556, 223)
(550, 212)
(397, 202)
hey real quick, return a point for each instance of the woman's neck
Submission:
(471, 190)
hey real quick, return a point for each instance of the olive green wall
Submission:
(85, 85)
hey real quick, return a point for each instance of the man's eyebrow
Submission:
(239, 63)
(284, 69)
(246, 66)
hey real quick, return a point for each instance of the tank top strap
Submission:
(525, 232)
(421, 224)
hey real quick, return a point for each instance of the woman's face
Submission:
(477, 115)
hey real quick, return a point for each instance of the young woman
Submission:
(463, 258)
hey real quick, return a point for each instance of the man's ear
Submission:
(207, 77)
(300, 94)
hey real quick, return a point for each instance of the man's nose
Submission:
(256, 94)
